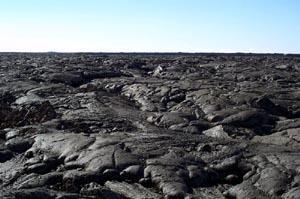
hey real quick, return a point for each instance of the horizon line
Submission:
(147, 52)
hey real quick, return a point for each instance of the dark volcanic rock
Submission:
(19, 144)
(149, 126)
(36, 112)
(69, 78)
(5, 155)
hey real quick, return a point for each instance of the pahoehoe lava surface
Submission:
(147, 126)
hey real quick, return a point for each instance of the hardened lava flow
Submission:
(149, 126)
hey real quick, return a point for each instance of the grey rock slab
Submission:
(63, 144)
(273, 181)
(69, 78)
(97, 160)
(289, 137)
(172, 118)
(75, 178)
(138, 93)
(124, 159)
(42, 180)
(249, 118)
(94, 190)
(246, 190)
(292, 194)
(133, 172)
(132, 191)
(217, 132)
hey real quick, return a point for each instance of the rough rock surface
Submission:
(148, 126)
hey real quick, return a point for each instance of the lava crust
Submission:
(148, 126)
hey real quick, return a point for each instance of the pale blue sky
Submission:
(150, 25)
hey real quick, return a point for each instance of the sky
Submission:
(258, 26)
